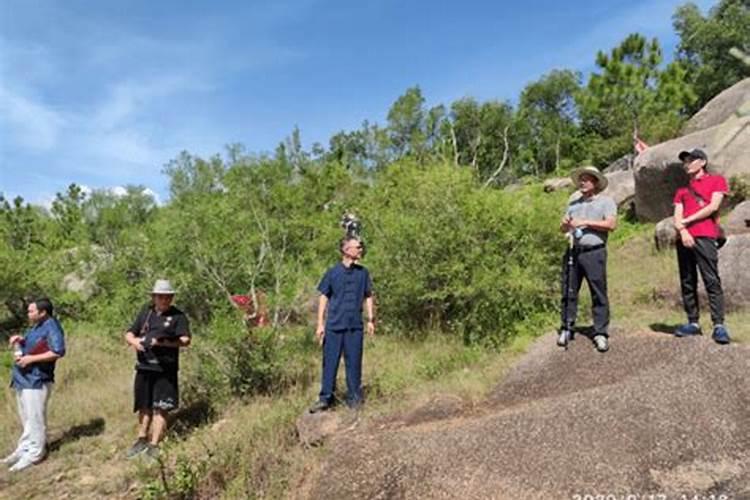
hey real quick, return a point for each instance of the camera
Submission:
(351, 225)
(353, 228)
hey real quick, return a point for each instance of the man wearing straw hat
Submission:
(157, 334)
(588, 221)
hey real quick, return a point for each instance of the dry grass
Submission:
(90, 424)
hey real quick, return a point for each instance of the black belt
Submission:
(589, 249)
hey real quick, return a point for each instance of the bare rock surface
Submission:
(721, 107)
(734, 269)
(738, 221)
(314, 428)
(656, 414)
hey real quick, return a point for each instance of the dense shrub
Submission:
(446, 253)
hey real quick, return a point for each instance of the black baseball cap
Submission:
(693, 153)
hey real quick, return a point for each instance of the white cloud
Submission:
(31, 123)
(118, 191)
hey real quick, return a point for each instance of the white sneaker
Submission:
(564, 338)
(23, 463)
(602, 343)
(12, 458)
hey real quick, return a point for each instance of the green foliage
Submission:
(705, 42)
(739, 190)
(178, 482)
(480, 135)
(547, 119)
(28, 256)
(446, 253)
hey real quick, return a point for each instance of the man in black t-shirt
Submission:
(157, 334)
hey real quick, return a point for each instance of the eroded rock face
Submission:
(624, 163)
(720, 108)
(738, 220)
(734, 270)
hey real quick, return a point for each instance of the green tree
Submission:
(480, 136)
(548, 121)
(632, 93)
(406, 125)
(67, 211)
(24, 243)
(705, 42)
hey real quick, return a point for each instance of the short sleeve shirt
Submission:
(42, 337)
(598, 207)
(346, 289)
(150, 324)
(705, 186)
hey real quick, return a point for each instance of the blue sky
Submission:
(105, 93)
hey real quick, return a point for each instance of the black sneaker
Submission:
(320, 406)
(138, 447)
(152, 452)
(720, 334)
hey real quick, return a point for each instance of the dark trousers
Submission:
(703, 257)
(350, 344)
(591, 266)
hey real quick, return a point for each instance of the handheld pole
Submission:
(566, 333)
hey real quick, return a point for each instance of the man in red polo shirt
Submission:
(696, 210)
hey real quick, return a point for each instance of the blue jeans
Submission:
(350, 343)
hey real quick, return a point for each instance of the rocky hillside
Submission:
(656, 415)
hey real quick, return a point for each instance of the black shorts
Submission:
(155, 390)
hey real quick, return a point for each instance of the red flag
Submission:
(639, 145)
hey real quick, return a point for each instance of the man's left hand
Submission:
(370, 328)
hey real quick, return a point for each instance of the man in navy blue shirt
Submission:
(32, 377)
(343, 290)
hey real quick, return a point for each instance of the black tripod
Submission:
(566, 330)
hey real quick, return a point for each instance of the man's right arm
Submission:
(131, 337)
(684, 235)
(321, 328)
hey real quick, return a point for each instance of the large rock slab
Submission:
(621, 187)
(658, 171)
(644, 418)
(734, 269)
(620, 164)
(720, 108)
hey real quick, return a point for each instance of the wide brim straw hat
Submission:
(601, 179)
